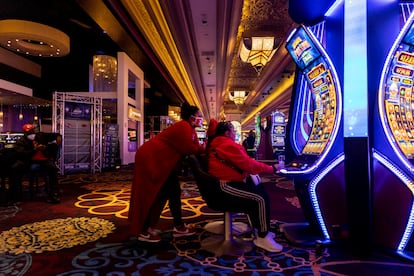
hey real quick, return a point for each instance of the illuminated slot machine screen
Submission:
(399, 98)
(237, 128)
(278, 138)
(257, 129)
(325, 109)
(319, 77)
(278, 129)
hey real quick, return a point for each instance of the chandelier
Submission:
(105, 73)
(238, 96)
(257, 51)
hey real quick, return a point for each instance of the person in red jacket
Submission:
(155, 178)
(37, 151)
(229, 162)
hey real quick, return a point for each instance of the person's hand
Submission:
(39, 146)
(277, 168)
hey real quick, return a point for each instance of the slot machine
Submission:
(316, 163)
(393, 146)
(237, 128)
(257, 130)
(278, 135)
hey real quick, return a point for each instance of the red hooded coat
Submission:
(154, 161)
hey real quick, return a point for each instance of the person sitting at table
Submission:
(229, 162)
(46, 146)
(35, 149)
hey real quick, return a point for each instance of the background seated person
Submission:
(36, 149)
(229, 162)
(23, 150)
(46, 147)
(249, 144)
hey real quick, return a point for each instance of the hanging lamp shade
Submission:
(238, 96)
(257, 51)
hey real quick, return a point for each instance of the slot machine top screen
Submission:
(302, 49)
(318, 74)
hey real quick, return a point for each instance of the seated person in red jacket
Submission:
(46, 146)
(36, 149)
(21, 161)
(229, 162)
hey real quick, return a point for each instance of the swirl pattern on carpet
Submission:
(53, 235)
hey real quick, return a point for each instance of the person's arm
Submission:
(237, 156)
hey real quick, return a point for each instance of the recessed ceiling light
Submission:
(33, 38)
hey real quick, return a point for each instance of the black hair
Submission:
(188, 110)
(220, 130)
(222, 127)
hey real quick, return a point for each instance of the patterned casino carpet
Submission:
(87, 234)
(53, 235)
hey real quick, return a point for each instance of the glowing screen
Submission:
(302, 49)
(399, 98)
(318, 75)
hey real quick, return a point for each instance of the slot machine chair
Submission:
(209, 187)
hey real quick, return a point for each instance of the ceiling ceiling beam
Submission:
(125, 33)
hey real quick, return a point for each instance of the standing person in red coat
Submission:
(155, 177)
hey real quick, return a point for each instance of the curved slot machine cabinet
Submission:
(393, 152)
(316, 167)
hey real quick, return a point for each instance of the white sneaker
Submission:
(268, 243)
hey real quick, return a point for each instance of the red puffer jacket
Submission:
(236, 155)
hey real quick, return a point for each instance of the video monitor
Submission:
(302, 49)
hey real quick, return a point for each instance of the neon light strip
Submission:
(309, 102)
(410, 185)
(295, 122)
(312, 190)
(406, 10)
(381, 94)
(333, 8)
(306, 102)
(300, 111)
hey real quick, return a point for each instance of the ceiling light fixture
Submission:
(36, 118)
(238, 96)
(33, 38)
(257, 51)
(105, 73)
(21, 113)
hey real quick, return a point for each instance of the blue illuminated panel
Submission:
(302, 125)
(355, 70)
